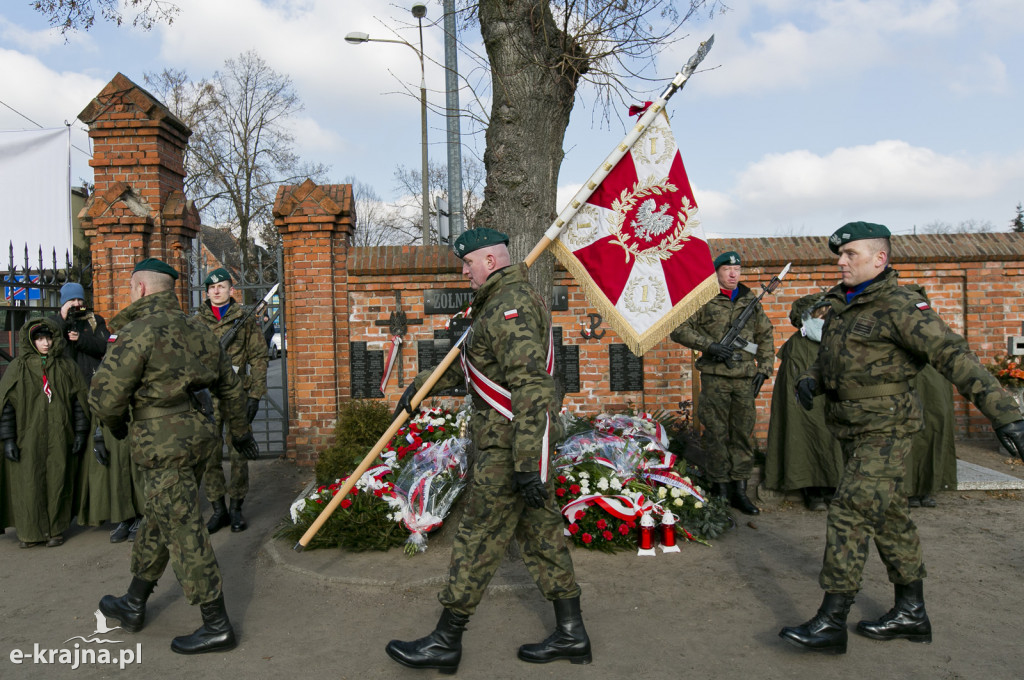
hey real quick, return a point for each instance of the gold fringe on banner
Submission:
(638, 343)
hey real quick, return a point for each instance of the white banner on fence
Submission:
(35, 190)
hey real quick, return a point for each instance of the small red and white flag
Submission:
(636, 246)
(511, 314)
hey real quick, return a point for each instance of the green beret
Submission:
(216, 276)
(152, 264)
(856, 231)
(731, 257)
(475, 239)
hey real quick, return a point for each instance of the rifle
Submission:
(258, 308)
(732, 338)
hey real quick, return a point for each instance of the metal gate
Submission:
(271, 424)
(32, 285)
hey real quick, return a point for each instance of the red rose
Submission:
(608, 535)
(346, 504)
(623, 529)
(559, 492)
(587, 538)
(574, 488)
(631, 525)
(320, 501)
(601, 524)
(562, 479)
(574, 528)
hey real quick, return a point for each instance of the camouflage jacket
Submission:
(248, 351)
(158, 356)
(508, 343)
(710, 324)
(882, 338)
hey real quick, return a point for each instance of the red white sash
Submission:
(500, 398)
(620, 507)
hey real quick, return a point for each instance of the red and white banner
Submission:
(636, 246)
(389, 363)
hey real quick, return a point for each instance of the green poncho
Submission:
(39, 487)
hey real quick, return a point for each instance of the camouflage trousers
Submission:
(871, 503)
(172, 529)
(237, 486)
(494, 513)
(726, 410)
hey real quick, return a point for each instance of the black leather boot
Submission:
(442, 649)
(739, 498)
(215, 635)
(130, 609)
(569, 641)
(237, 521)
(219, 519)
(907, 620)
(826, 632)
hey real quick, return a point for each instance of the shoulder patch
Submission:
(511, 314)
(922, 306)
(112, 338)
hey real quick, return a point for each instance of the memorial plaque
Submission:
(567, 363)
(446, 300)
(626, 370)
(430, 353)
(366, 368)
(559, 298)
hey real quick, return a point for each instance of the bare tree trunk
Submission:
(535, 69)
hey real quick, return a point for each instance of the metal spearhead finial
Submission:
(691, 66)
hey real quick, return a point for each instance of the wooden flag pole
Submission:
(550, 235)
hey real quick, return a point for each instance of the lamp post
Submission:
(419, 10)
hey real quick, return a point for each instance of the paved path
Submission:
(706, 612)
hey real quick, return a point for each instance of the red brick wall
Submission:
(138, 208)
(975, 281)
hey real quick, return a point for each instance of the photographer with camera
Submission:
(104, 490)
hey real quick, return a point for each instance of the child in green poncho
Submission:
(43, 423)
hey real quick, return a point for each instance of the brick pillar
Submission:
(138, 208)
(315, 223)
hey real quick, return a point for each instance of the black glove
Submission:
(530, 487)
(405, 401)
(805, 393)
(11, 450)
(251, 407)
(757, 382)
(246, 445)
(120, 431)
(99, 449)
(78, 445)
(1011, 436)
(719, 352)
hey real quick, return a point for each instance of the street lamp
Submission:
(419, 10)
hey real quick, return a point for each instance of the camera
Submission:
(78, 314)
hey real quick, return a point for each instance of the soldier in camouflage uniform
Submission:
(248, 354)
(156, 364)
(876, 338)
(507, 361)
(728, 390)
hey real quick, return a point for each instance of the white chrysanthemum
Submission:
(676, 492)
(662, 492)
(584, 475)
(294, 510)
(678, 502)
(616, 484)
(698, 505)
(602, 484)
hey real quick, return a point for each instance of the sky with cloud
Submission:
(804, 115)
